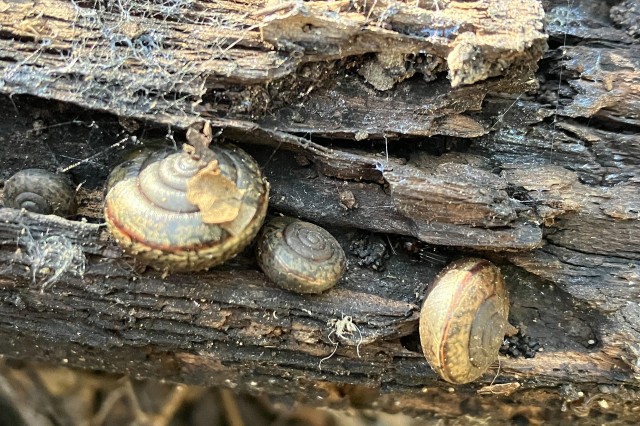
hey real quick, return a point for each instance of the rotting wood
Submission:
(52, 48)
(231, 321)
(391, 213)
(566, 155)
(415, 108)
(475, 42)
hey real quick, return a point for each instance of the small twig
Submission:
(171, 406)
(107, 405)
(232, 412)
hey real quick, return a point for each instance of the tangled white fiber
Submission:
(50, 256)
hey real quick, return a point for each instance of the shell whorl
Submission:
(300, 256)
(41, 191)
(150, 213)
(464, 319)
(309, 241)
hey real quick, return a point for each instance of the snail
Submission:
(464, 319)
(189, 210)
(299, 256)
(41, 191)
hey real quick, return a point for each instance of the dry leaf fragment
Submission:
(505, 389)
(217, 196)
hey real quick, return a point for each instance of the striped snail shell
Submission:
(300, 256)
(183, 211)
(41, 191)
(464, 319)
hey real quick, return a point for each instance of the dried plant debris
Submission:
(370, 250)
(34, 394)
(49, 257)
(345, 329)
(518, 345)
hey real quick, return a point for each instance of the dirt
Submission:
(53, 136)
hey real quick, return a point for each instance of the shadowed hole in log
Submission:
(12, 36)
(520, 420)
(411, 342)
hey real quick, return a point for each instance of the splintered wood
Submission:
(173, 61)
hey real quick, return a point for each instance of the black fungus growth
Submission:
(518, 345)
(370, 250)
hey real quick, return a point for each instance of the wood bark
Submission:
(428, 115)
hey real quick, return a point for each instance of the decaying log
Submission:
(340, 101)
(214, 59)
(231, 326)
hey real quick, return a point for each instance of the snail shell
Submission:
(300, 256)
(464, 319)
(185, 212)
(41, 191)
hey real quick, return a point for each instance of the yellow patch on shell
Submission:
(217, 197)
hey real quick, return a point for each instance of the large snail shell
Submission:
(300, 256)
(464, 319)
(41, 191)
(179, 212)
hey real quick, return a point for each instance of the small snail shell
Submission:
(41, 191)
(186, 212)
(300, 256)
(464, 319)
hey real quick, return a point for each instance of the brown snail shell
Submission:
(185, 212)
(464, 319)
(41, 191)
(300, 256)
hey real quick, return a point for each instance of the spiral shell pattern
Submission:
(464, 319)
(148, 211)
(41, 191)
(300, 256)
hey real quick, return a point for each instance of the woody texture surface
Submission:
(416, 132)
